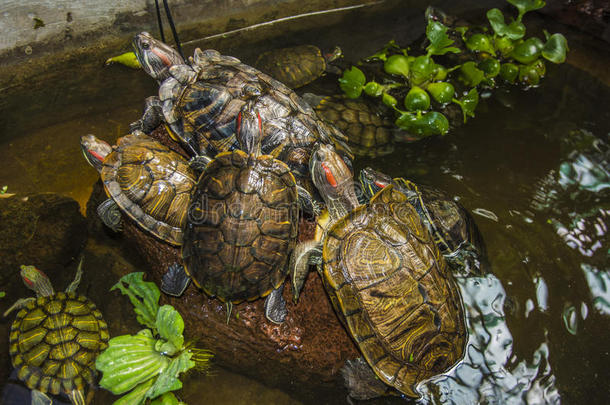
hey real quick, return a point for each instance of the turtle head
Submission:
(333, 179)
(154, 56)
(95, 150)
(373, 181)
(249, 131)
(36, 280)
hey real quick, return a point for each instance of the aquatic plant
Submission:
(128, 59)
(3, 190)
(478, 61)
(147, 365)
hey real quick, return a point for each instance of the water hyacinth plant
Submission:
(418, 88)
(147, 365)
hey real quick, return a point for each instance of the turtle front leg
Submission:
(275, 306)
(110, 214)
(175, 280)
(151, 118)
(77, 397)
(20, 303)
(307, 203)
(303, 255)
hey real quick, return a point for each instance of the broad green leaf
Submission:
(170, 326)
(417, 99)
(526, 5)
(471, 75)
(528, 50)
(144, 297)
(422, 70)
(555, 48)
(480, 43)
(468, 103)
(509, 72)
(128, 59)
(129, 361)
(373, 89)
(514, 30)
(137, 396)
(167, 399)
(504, 45)
(397, 65)
(442, 92)
(430, 123)
(490, 66)
(352, 82)
(440, 43)
(168, 380)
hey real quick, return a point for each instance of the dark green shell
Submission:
(242, 226)
(151, 184)
(368, 131)
(54, 342)
(392, 286)
(295, 66)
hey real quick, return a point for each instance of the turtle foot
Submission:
(275, 306)
(175, 280)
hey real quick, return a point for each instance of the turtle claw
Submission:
(175, 280)
(275, 306)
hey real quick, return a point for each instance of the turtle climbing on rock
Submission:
(146, 180)
(386, 279)
(55, 339)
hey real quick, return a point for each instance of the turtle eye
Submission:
(145, 45)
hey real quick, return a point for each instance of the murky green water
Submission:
(533, 167)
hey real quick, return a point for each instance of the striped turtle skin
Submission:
(54, 342)
(390, 284)
(242, 226)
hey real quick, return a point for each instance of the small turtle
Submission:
(454, 230)
(201, 100)
(146, 180)
(299, 65)
(241, 228)
(387, 281)
(55, 339)
(369, 131)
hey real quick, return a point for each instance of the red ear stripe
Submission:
(239, 122)
(379, 184)
(28, 281)
(260, 122)
(329, 175)
(162, 56)
(95, 155)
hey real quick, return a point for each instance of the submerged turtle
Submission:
(387, 280)
(55, 339)
(369, 132)
(299, 65)
(452, 226)
(200, 102)
(241, 228)
(146, 180)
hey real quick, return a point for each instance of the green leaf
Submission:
(128, 59)
(389, 100)
(167, 399)
(382, 54)
(526, 5)
(514, 30)
(490, 66)
(170, 326)
(144, 297)
(352, 82)
(509, 72)
(529, 75)
(439, 40)
(528, 50)
(442, 92)
(471, 75)
(397, 65)
(480, 43)
(417, 99)
(3, 190)
(555, 49)
(168, 380)
(430, 123)
(422, 70)
(137, 396)
(504, 44)
(468, 103)
(373, 89)
(129, 361)
(440, 72)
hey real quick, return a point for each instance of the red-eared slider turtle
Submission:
(369, 131)
(200, 102)
(241, 228)
(55, 339)
(387, 280)
(146, 180)
(299, 65)
(453, 228)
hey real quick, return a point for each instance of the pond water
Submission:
(533, 167)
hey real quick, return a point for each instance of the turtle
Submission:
(369, 131)
(299, 65)
(454, 229)
(200, 101)
(56, 338)
(146, 180)
(386, 279)
(241, 227)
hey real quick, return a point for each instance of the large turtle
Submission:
(387, 280)
(241, 228)
(299, 65)
(454, 230)
(146, 180)
(201, 100)
(55, 339)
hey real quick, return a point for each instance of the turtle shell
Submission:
(242, 226)
(151, 184)
(392, 287)
(54, 342)
(368, 131)
(294, 66)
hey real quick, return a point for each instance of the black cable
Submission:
(173, 27)
(159, 21)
